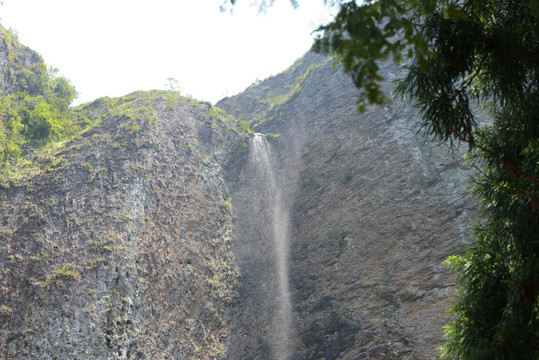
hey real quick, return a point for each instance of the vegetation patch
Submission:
(5, 310)
(280, 96)
(61, 277)
(309, 183)
(347, 176)
(244, 126)
(341, 238)
(224, 280)
(272, 136)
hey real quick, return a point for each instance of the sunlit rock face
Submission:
(374, 210)
(14, 57)
(170, 231)
(120, 249)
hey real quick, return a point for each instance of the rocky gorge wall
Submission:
(374, 210)
(151, 235)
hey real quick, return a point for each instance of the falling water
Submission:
(278, 220)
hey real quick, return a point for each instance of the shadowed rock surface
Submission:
(374, 208)
(147, 236)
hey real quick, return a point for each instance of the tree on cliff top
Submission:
(466, 53)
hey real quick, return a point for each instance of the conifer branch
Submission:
(489, 152)
(515, 51)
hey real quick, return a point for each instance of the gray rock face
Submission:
(121, 249)
(152, 235)
(374, 208)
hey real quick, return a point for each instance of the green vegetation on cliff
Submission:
(34, 112)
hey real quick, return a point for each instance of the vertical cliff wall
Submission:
(119, 248)
(374, 210)
(169, 230)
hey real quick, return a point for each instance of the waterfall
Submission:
(278, 226)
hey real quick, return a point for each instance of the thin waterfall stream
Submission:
(278, 222)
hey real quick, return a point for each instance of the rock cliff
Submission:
(374, 210)
(120, 248)
(151, 234)
(15, 59)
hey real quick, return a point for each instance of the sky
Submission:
(114, 47)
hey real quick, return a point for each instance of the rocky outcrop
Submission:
(151, 234)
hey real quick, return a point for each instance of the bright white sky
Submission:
(114, 47)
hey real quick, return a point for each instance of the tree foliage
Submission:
(462, 55)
